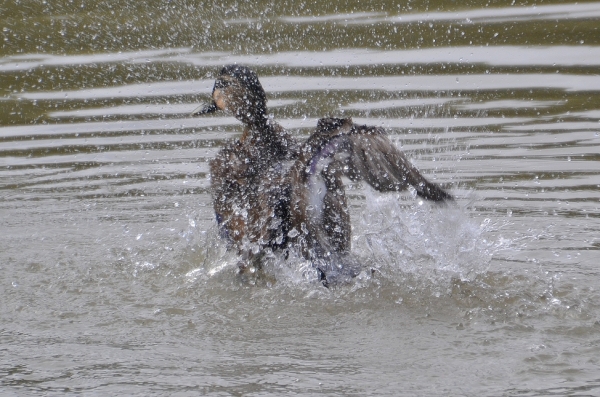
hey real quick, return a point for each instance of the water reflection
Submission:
(497, 55)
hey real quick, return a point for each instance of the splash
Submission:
(396, 235)
(393, 237)
(426, 257)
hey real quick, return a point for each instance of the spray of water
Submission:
(413, 253)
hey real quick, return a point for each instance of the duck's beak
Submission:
(205, 109)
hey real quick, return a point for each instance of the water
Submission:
(114, 280)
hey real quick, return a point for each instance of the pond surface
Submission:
(113, 279)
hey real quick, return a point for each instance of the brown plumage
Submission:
(272, 192)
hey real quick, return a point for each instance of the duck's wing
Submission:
(366, 153)
(318, 207)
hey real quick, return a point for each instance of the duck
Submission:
(272, 192)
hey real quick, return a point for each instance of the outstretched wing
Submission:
(318, 202)
(374, 159)
(365, 153)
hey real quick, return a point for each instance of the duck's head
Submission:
(238, 91)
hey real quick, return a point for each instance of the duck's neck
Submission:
(260, 129)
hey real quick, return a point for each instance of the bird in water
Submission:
(272, 192)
